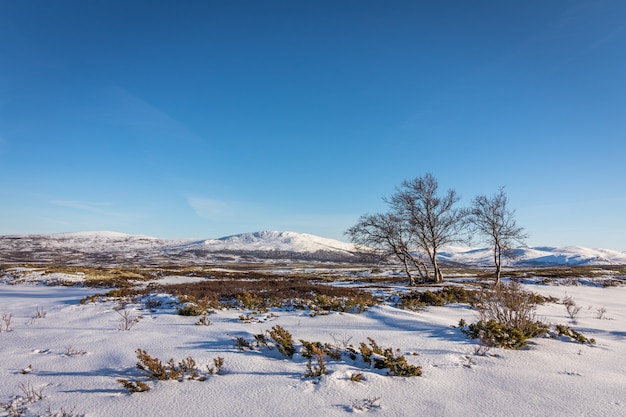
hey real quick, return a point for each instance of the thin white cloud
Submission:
(101, 209)
(133, 111)
(97, 214)
(209, 208)
(81, 205)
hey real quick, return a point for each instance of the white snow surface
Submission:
(75, 354)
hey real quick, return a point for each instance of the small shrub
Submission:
(600, 312)
(156, 370)
(356, 303)
(152, 366)
(283, 340)
(367, 351)
(261, 340)
(562, 330)
(203, 321)
(366, 404)
(127, 321)
(319, 369)
(40, 313)
(188, 366)
(218, 365)
(384, 358)
(152, 303)
(247, 318)
(358, 377)
(134, 386)
(416, 300)
(6, 322)
(572, 308)
(252, 302)
(329, 350)
(72, 351)
(495, 334)
(510, 306)
(30, 394)
(190, 309)
(242, 344)
(481, 350)
(62, 413)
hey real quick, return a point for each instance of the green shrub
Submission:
(242, 344)
(511, 307)
(495, 334)
(308, 349)
(156, 370)
(203, 320)
(134, 386)
(153, 367)
(218, 364)
(319, 369)
(358, 377)
(283, 340)
(563, 330)
(195, 308)
(253, 302)
(415, 300)
(384, 358)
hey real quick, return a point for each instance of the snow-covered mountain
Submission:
(109, 248)
(537, 256)
(118, 248)
(275, 241)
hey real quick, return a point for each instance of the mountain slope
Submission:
(275, 245)
(537, 256)
(110, 248)
(277, 241)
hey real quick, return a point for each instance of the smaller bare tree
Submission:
(384, 235)
(491, 219)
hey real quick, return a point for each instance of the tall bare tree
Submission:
(496, 225)
(418, 225)
(432, 219)
(386, 235)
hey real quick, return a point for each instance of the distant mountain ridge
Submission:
(109, 248)
(281, 241)
(537, 256)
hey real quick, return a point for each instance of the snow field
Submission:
(549, 378)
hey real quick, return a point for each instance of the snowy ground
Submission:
(74, 355)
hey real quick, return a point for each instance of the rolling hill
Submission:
(108, 248)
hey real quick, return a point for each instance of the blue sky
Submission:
(205, 119)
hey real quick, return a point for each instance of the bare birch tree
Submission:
(387, 235)
(432, 219)
(418, 225)
(496, 225)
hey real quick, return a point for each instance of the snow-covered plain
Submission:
(75, 354)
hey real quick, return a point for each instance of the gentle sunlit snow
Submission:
(75, 354)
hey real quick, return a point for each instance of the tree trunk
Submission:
(407, 271)
(497, 257)
(437, 272)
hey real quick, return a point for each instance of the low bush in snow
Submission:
(384, 358)
(562, 330)
(416, 300)
(187, 368)
(506, 317)
(282, 340)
